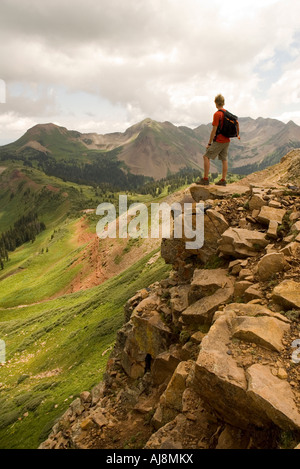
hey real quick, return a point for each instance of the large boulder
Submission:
(273, 396)
(201, 312)
(174, 250)
(179, 300)
(256, 202)
(147, 336)
(205, 282)
(264, 331)
(217, 192)
(268, 214)
(209, 289)
(287, 294)
(170, 403)
(242, 243)
(271, 264)
(247, 395)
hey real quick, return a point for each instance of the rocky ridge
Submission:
(207, 358)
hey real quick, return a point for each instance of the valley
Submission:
(62, 295)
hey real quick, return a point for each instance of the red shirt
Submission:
(216, 119)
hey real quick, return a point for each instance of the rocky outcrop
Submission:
(242, 243)
(240, 395)
(174, 251)
(287, 294)
(217, 192)
(204, 359)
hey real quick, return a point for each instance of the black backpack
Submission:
(230, 127)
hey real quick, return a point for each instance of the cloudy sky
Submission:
(103, 65)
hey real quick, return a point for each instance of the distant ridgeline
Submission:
(25, 229)
(102, 168)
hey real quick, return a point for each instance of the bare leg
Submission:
(224, 169)
(206, 166)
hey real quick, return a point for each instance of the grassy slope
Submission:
(68, 334)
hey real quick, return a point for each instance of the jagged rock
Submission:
(97, 393)
(253, 293)
(197, 337)
(244, 273)
(168, 436)
(273, 397)
(86, 397)
(252, 310)
(76, 407)
(267, 214)
(202, 311)
(236, 266)
(242, 243)
(233, 438)
(269, 249)
(219, 381)
(290, 249)
(217, 192)
(264, 331)
(275, 204)
(214, 225)
(256, 202)
(179, 300)
(272, 230)
(287, 294)
(164, 366)
(282, 374)
(205, 282)
(133, 302)
(174, 251)
(150, 303)
(86, 424)
(99, 418)
(270, 264)
(221, 398)
(240, 288)
(218, 220)
(294, 216)
(148, 337)
(170, 402)
(241, 399)
(296, 227)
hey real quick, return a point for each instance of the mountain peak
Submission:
(48, 128)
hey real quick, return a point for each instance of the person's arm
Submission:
(212, 136)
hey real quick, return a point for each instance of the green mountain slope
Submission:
(148, 149)
(56, 349)
(57, 344)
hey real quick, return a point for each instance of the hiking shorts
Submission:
(219, 150)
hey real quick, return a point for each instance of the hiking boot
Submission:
(222, 182)
(203, 182)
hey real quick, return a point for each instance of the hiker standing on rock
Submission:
(218, 142)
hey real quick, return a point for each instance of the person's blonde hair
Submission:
(219, 100)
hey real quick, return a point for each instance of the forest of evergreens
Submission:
(25, 229)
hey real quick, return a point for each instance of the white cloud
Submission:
(164, 59)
